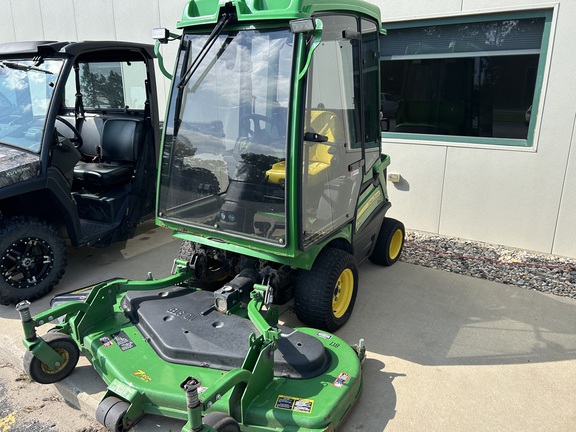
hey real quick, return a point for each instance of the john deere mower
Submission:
(271, 174)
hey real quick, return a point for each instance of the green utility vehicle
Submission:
(79, 142)
(272, 175)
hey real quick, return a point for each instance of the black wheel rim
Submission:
(27, 262)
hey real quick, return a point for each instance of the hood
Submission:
(17, 165)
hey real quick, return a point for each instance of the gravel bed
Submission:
(541, 272)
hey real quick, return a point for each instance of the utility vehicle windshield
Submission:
(225, 144)
(26, 88)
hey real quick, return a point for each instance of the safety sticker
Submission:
(123, 341)
(341, 380)
(294, 404)
(106, 342)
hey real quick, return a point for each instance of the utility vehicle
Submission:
(272, 175)
(79, 142)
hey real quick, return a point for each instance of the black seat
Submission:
(120, 146)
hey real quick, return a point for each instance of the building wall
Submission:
(521, 197)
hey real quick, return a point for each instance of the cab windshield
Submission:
(26, 88)
(223, 163)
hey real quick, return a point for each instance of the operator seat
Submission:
(120, 146)
(320, 155)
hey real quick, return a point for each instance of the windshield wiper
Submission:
(23, 67)
(225, 18)
(217, 31)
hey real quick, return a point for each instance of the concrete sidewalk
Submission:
(446, 352)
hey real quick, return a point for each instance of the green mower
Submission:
(271, 173)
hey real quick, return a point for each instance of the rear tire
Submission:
(389, 243)
(325, 295)
(32, 259)
(221, 422)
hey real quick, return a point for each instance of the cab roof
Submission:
(199, 12)
(63, 49)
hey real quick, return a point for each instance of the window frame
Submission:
(549, 14)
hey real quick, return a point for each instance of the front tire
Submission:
(64, 345)
(325, 295)
(389, 243)
(32, 259)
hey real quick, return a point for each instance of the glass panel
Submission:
(480, 37)
(328, 181)
(483, 96)
(109, 85)
(474, 79)
(371, 77)
(25, 92)
(223, 165)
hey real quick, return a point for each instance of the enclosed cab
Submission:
(272, 152)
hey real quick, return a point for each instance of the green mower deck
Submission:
(165, 349)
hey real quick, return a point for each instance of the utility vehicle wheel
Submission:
(389, 243)
(64, 345)
(221, 422)
(110, 413)
(325, 294)
(187, 250)
(32, 259)
(206, 277)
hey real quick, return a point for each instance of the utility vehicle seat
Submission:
(120, 146)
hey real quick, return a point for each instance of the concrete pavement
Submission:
(445, 352)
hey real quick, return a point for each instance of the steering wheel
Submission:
(251, 126)
(77, 140)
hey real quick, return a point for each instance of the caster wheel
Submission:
(63, 345)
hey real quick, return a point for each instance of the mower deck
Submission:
(184, 327)
(157, 338)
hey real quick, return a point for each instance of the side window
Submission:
(331, 168)
(370, 85)
(108, 85)
(465, 80)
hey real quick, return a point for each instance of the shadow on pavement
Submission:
(431, 317)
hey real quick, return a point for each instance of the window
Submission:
(333, 102)
(109, 85)
(26, 89)
(468, 81)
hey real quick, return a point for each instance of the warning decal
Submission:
(106, 342)
(123, 340)
(341, 380)
(294, 404)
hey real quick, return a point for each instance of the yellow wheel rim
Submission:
(65, 355)
(343, 293)
(396, 244)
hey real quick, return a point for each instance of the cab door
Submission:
(339, 134)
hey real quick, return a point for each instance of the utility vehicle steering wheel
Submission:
(77, 140)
